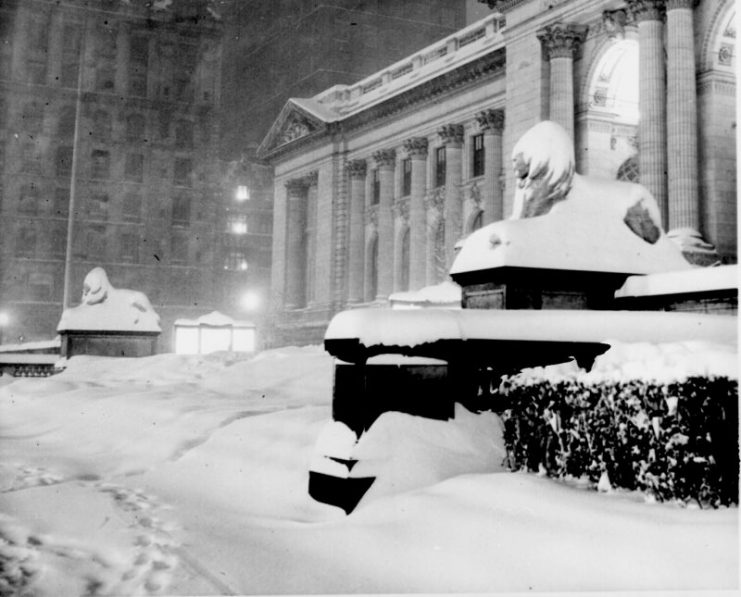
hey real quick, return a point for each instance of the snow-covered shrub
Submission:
(675, 440)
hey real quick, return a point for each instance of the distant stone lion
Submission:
(546, 180)
(97, 289)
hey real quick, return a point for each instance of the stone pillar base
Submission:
(694, 248)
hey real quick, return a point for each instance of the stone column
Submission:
(681, 124)
(416, 149)
(356, 169)
(491, 123)
(295, 295)
(452, 137)
(385, 161)
(560, 42)
(652, 99)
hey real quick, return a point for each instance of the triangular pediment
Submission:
(293, 123)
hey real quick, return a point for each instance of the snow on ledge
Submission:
(213, 319)
(724, 277)
(31, 346)
(408, 328)
(447, 294)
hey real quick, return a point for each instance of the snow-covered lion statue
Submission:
(543, 161)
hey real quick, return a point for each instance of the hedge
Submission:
(676, 441)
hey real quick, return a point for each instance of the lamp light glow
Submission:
(243, 193)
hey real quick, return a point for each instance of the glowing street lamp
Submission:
(251, 301)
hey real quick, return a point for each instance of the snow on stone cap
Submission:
(105, 308)
(413, 327)
(213, 319)
(445, 293)
(706, 279)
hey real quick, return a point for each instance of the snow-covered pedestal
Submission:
(572, 240)
(110, 321)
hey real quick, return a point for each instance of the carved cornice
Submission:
(491, 120)
(561, 40)
(614, 22)
(385, 158)
(356, 168)
(647, 10)
(416, 147)
(451, 134)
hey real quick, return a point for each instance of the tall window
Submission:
(28, 203)
(61, 202)
(179, 247)
(135, 127)
(134, 169)
(182, 171)
(97, 206)
(71, 37)
(66, 124)
(59, 242)
(63, 161)
(40, 286)
(138, 60)
(376, 190)
(183, 134)
(101, 164)
(181, 210)
(236, 261)
(25, 245)
(101, 124)
(132, 207)
(440, 166)
(33, 117)
(130, 247)
(236, 223)
(477, 157)
(406, 177)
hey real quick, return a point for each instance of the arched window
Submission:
(628, 170)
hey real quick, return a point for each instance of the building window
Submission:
(59, 242)
(138, 60)
(406, 177)
(36, 72)
(61, 202)
(25, 245)
(95, 243)
(182, 172)
(477, 156)
(236, 261)
(101, 164)
(63, 161)
(105, 78)
(97, 208)
(134, 168)
(28, 201)
(440, 166)
(236, 223)
(130, 247)
(179, 247)
(181, 210)
(40, 286)
(183, 134)
(164, 124)
(135, 127)
(376, 187)
(71, 37)
(101, 125)
(132, 207)
(66, 124)
(243, 193)
(33, 117)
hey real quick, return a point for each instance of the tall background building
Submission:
(174, 96)
(121, 98)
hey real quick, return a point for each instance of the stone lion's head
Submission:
(543, 161)
(95, 287)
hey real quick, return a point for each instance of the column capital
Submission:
(672, 4)
(491, 120)
(416, 147)
(451, 134)
(311, 179)
(385, 158)
(294, 186)
(561, 40)
(647, 10)
(356, 168)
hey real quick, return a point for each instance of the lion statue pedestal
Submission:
(572, 240)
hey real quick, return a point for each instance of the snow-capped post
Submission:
(571, 240)
(109, 321)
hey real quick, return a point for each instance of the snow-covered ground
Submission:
(187, 475)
